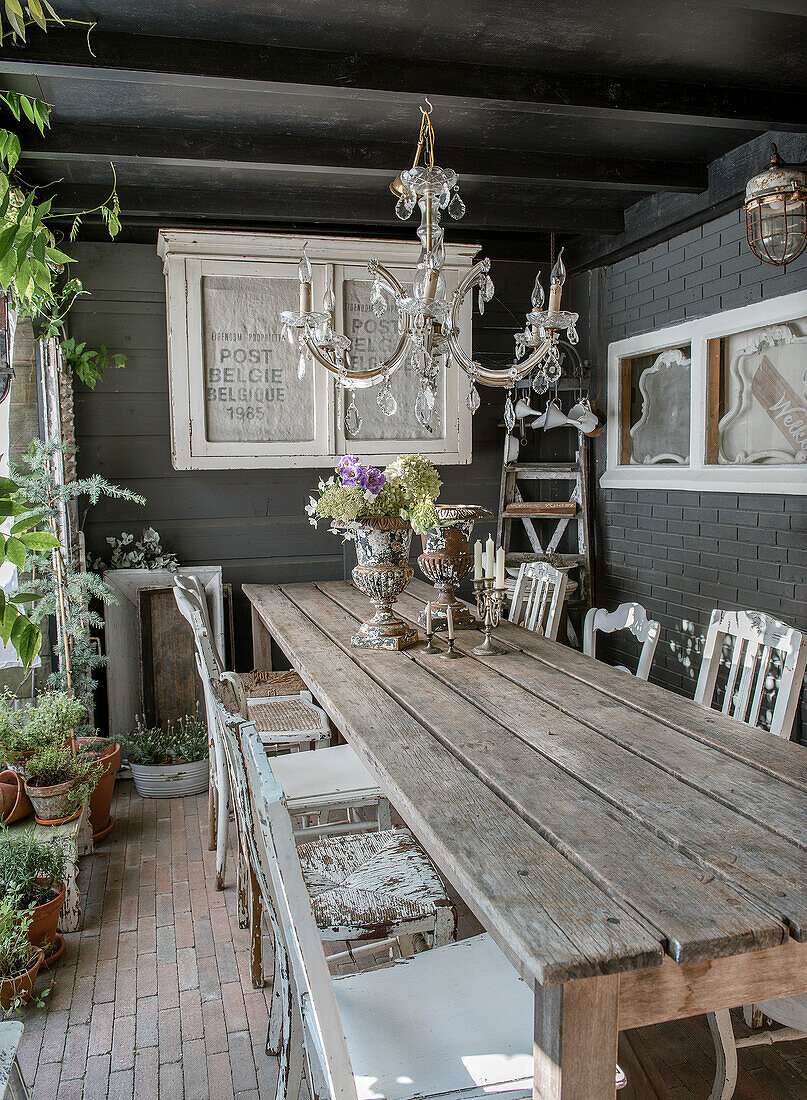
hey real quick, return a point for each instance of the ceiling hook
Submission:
(431, 108)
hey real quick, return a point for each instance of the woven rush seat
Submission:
(283, 715)
(371, 885)
(262, 684)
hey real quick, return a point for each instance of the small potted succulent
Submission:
(169, 763)
(32, 872)
(59, 783)
(19, 961)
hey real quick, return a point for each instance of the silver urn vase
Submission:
(447, 559)
(382, 573)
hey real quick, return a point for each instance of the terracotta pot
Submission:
(21, 985)
(42, 930)
(101, 797)
(14, 801)
(52, 805)
(16, 761)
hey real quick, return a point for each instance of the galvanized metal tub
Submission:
(171, 780)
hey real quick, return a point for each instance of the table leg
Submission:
(576, 1033)
(261, 644)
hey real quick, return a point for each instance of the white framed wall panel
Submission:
(218, 377)
(699, 475)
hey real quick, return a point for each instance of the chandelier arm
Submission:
(506, 377)
(363, 379)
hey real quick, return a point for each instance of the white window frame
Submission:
(188, 257)
(698, 475)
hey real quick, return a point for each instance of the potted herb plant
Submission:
(380, 510)
(59, 783)
(19, 962)
(32, 871)
(169, 763)
(24, 732)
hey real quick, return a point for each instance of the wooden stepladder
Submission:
(546, 521)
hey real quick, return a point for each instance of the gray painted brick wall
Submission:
(683, 553)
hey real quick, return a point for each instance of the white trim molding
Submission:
(699, 475)
(189, 257)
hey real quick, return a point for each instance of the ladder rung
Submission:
(543, 470)
(540, 508)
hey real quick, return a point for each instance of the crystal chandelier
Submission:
(428, 320)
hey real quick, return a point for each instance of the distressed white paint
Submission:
(628, 616)
(698, 475)
(189, 258)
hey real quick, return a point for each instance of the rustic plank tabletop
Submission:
(638, 857)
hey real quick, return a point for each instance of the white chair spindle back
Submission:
(753, 638)
(308, 1026)
(628, 616)
(192, 602)
(538, 598)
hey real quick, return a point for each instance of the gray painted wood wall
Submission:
(251, 522)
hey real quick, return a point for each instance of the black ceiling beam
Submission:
(281, 205)
(161, 146)
(119, 56)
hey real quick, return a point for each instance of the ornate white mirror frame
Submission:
(701, 474)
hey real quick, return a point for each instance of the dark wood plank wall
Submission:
(249, 521)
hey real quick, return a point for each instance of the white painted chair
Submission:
(369, 889)
(753, 638)
(456, 1019)
(628, 616)
(538, 598)
(12, 1085)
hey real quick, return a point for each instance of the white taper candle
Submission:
(450, 622)
(500, 567)
(478, 560)
(489, 552)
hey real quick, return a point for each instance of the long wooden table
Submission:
(637, 857)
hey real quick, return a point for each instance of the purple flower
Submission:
(349, 470)
(374, 480)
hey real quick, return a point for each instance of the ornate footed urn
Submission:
(382, 573)
(447, 559)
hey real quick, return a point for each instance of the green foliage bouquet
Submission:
(407, 488)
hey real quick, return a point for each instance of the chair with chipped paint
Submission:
(456, 1020)
(628, 616)
(752, 644)
(538, 597)
(372, 890)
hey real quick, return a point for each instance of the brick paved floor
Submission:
(154, 999)
(154, 996)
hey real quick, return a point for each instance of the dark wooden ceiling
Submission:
(558, 116)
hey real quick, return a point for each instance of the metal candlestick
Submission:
(450, 653)
(489, 603)
(430, 648)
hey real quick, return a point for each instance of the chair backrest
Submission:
(310, 1025)
(538, 598)
(628, 616)
(752, 639)
(193, 606)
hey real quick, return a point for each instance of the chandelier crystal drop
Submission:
(427, 317)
